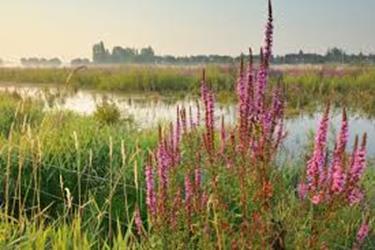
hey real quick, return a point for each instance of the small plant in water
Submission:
(107, 112)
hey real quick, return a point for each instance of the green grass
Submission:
(125, 78)
(73, 182)
(43, 154)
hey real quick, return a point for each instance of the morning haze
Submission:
(68, 29)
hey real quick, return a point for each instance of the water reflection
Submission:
(149, 110)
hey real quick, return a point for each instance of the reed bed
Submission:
(72, 182)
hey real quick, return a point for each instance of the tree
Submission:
(100, 54)
(54, 62)
(335, 55)
(118, 55)
(147, 55)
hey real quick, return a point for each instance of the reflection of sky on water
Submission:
(150, 110)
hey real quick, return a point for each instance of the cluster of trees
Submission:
(120, 55)
(334, 55)
(40, 62)
(101, 55)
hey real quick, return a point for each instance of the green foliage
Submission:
(16, 113)
(107, 113)
(75, 181)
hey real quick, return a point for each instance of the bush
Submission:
(107, 113)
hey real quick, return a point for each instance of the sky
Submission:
(68, 28)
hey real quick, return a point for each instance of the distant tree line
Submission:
(120, 55)
(40, 62)
(334, 55)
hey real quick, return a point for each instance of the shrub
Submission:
(107, 113)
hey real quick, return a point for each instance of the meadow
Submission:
(99, 182)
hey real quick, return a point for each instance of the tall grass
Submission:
(125, 78)
(72, 182)
(305, 88)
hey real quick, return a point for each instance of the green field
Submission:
(76, 182)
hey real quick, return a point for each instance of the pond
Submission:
(148, 111)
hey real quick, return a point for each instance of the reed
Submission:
(73, 182)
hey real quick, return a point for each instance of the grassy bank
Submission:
(55, 163)
(305, 87)
(73, 182)
(316, 81)
(126, 78)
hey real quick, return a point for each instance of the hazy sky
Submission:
(69, 28)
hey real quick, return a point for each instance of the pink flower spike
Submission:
(197, 178)
(138, 221)
(337, 169)
(268, 36)
(362, 233)
(315, 166)
(359, 163)
(355, 196)
(150, 192)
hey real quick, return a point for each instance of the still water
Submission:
(148, 111)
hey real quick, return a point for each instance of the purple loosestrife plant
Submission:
(242, 93)
(362, 234)
(163, 163)
(261, 84)
(315, 172)
(250, 87)
(355, 194)
(228, 191)
(208, 101)
(138, 221)
(341, 178)
(150, 189)
(337, 169)
(268, 36)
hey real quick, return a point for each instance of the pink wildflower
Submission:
(268, 36)
(355, 196)
(138, 221)
(150, 192)
(315, 166)
(362, 233)
(338, 175)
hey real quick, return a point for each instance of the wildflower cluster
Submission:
(327, 181)
(187, 175)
